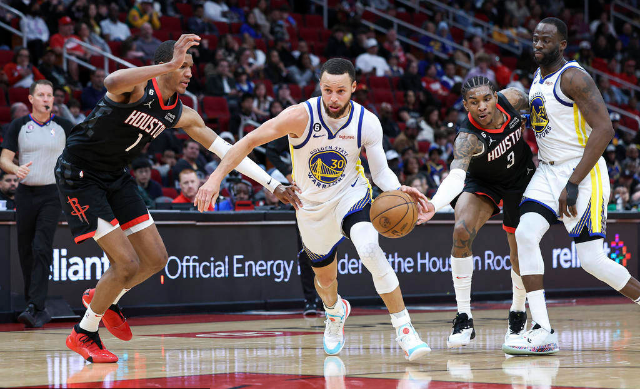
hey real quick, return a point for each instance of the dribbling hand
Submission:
(207, 194)
(421, 201)
(287, 194)
(181, 47)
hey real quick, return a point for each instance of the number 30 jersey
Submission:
(505, 156)
(113, 134)
(325, 161)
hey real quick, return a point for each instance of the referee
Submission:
(38, 139)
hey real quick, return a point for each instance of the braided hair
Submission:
(475, 82)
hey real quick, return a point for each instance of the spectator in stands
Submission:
(261, 102)
(336, 47)
(628, 179)
(392, 46)
(283, 95)
(112, 28)
(278, 26)
(602, 24)
(620, 199)
(584, 55)
(94, 91)
(411, 79)
(35, 29)
(147, 43)
(251, 27)
(371, 62)
(129, 49)
(284, 52)
(189, 184)
(389, 126)
(8, 186)
(216, 11)
(51, 71)
(142, 172)
(20, 71)
(411, 107)
(275, 69)
(410, 168)
(222, 83)
(275, 108)
(303, 73)
(602, 49)
(611, 95)
(407, 139)
(361, 96)
(613, 166)
(435, 165)
(632, 154)
(17, 110)
(143, 12)
(432, 83)
(91, 17)
(240, 118)
(91, 38)
(450, 78)
(303, 48)
(246, 62)
(59, 40)
(191, 159)
(196, 24)
(260, 12)
(394, 68)
(628, 72)
(59, 98)
(419, 182)
(428, 125)
(74, 109)
(166, 164)
(482, 68)
(258, 57)
(239, 191)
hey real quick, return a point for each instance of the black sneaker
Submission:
(517, 324)
(462, 331)
(42, 318)
(309, 308)
(28, 317)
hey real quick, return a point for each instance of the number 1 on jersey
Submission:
(140, 137)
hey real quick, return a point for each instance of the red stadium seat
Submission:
(296, 91)
(185, 9)
(298, 19)
(314, 21)
(379, 83)
(402, 126)
(509, 62)
(5, 115)
(405, 17)
(307, 91)
(457, 34)
(419, 19)
(213, 40)
(135, 61)
(423, 147)
(216, 109)
(235, 27)
(223, 28)
(261, 45)
(115, 47)
(187, 100)
(382, 96)
(6, 56)
(369, 16)
(3, 98)
(171, 23)
(309, 34)
(325, 35)
(163, 35)
(170, 192)
(156, 176)
(19, 95)
(318, 48)
(399, 98)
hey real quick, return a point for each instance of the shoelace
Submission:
(517, 325)
(460, 324)
(88, 339)
(333, 326)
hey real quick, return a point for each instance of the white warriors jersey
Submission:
(326, 161)
(560, 128)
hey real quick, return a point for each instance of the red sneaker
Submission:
(113, 318)
(88, 345)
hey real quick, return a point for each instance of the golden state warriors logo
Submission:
(539, 118)
(327, 166)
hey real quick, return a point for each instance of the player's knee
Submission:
(372, 257)
(160, 260)
(524, 237)
(461, 233)
(325, 281)
(127, 269)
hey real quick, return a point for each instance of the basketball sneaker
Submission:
(88, 345)
(517, 325)
(410, 342)
(334, 331)
(536, 341)
(113, 318)
(462, 331)
(28, 317)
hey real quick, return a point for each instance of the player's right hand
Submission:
(183, 44)
(287, 194)
(424, 215)
(23, 170)
(207, 194)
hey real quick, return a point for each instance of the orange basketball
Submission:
(394, 214)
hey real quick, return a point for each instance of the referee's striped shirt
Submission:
(40, 143)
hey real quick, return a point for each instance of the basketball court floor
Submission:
(599, 341)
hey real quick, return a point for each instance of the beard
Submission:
(335, 115)
(548, 58)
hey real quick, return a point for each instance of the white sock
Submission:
(637, 301)
(519, 293)
(336, 309)
(90, 321)
(461, 272)
(401, 318)
(538, 308)
(120, 295)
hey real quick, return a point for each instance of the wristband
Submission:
(572, 193)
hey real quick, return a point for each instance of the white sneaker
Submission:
(536, 341)
(462, 331)
(410, 342)
(517, 325)
(334, 330)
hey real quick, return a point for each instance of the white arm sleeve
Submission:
(384, 177)
(449, 188)
(247, 167)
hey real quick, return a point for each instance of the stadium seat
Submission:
(382, 96)
(169, 192)
(307, 91)
(419, 19)
(379, 83)
(187, 100)
(296, 91)
(423, 147)
(399, 98)
(163, 35)
(405, 17)
(3, 98)
(457, 34)
(309, 34)
(5, 57)
(98, 61)
(223, 28)
(115, 47)
(267, 84)
(185, 9)
(5, 115)
(298, 18)
(216, 110)
(171, 23)
(261, 45)
(213, 40)
(319, 47)
(235, 28)
(19, 94)
(325, 35)
(314, 21)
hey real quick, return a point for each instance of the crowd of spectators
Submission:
(259, 57)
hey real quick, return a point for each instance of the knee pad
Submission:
(594, 260)
(530, 230)
(365, 238)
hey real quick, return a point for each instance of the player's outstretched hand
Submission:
(23, 170)
(287, 194)
(207, 194)
(183, 44)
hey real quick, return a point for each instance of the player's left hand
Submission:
(418, 197)
(287, 194)
(568, 199)
(207, 194)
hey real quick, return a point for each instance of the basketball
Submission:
(394, 214)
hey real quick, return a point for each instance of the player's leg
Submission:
(151, 251)
(364, 236)
(471, 213)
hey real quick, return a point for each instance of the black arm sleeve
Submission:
(10, 141)
(275, 149)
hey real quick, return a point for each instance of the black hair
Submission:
(140, 163)
(338, 66)
(73, 103)
(164, 52)
(246, 96)
(560, 26)
(475, 82)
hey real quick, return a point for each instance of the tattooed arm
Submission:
(579, 86)
(517, 98)
(466, 146)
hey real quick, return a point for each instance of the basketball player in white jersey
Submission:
(326, 135)
(572, 128)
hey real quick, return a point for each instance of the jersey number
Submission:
(337, 164)
(138, 141)
(511, 159)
